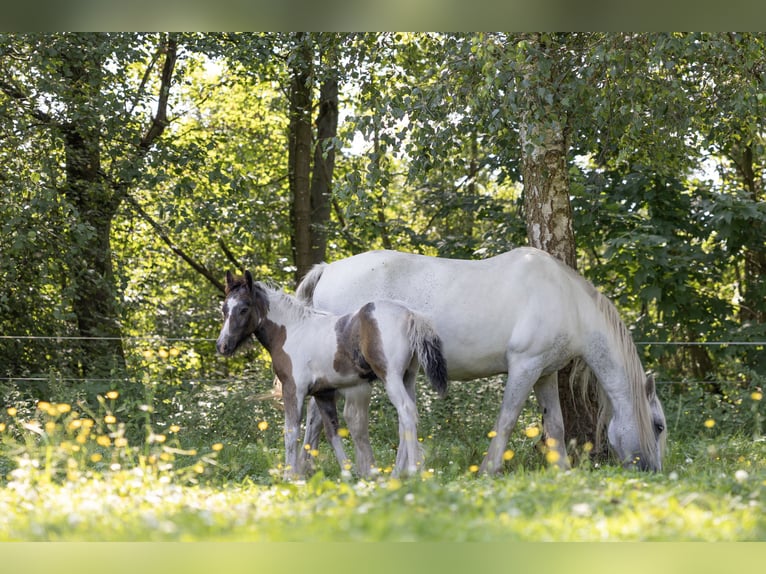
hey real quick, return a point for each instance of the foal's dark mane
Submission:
(298, 308)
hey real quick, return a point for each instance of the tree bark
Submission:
(546, 203)
(94, 291)
(324, 165)
(299, 155)
(753, 308)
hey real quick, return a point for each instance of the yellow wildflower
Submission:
(343, 432)
(474, 468)
(112, 395)
(492, 434)
(11, 411)
(532, 431)
(103, 440)
(110, 419)
(508, 455)
(174, 428)
(263, 425)
(217, 446)
(710, 423)
(756, 395)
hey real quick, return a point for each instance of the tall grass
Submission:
(206, 465)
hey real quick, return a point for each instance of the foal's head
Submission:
(244, 308)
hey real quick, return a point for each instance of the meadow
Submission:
(74, 472)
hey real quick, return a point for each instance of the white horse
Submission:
(314, 353)
(523, 313)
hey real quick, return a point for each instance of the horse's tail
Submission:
(428, 348)
(305, 290)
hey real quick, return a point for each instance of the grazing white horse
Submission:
(314, 353)
(523, 313)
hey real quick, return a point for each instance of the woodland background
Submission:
(138, 168)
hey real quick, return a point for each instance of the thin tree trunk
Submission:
(548, 211)
(299, 156)
(324, 165)
(753, 308)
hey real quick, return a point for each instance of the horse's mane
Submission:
(290, 304)
(634, 372)
(295, 307)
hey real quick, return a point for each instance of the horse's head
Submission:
(243, 310)
(639, 442)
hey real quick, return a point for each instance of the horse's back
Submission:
(478, 307)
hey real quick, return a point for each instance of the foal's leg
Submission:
(357, 414)
(293, 397)
(547, 393)
(522, 375)
(412, 459)
(403, 452)
(325, 402)
(313, 428)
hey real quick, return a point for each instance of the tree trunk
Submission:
(94, 292)
(753, 309)
(324, 164)
(299, 156)
(546, 203)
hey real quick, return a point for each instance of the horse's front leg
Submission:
(293, 398)
(522, 375)
(547, 393)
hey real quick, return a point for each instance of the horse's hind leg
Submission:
(409, 456)
(403, 452)
(547, 393)
(356, 412)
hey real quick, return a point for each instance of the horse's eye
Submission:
(659, 427)
(244, 311)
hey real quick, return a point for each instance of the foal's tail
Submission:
(428, 348)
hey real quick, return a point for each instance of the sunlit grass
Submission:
(71, 473)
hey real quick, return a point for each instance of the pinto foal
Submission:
(315, 353)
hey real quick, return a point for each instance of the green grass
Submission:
(182, 480)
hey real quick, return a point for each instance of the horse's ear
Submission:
(249, 280)
(229, 281)
(651, 388)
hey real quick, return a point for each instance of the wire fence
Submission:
(192, 341)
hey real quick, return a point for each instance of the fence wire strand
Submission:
(197, 340)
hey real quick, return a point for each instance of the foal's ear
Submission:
(229, 281)
(651, 389)
(249, 280)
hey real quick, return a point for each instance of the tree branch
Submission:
(16, 93)
(229, 255)
(197, 266)
(160, 119)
